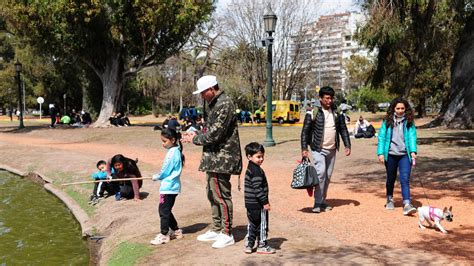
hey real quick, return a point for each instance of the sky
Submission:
(323, 7)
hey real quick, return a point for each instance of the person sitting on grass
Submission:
(122, 167)
(86, 119)
(363, 129)
(123, 119)
(65, 120)
(100, 187)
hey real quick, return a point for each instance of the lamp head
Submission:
(18, 66)
(269, 19)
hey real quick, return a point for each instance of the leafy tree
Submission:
(459, 110)
(413, 39)
(416, 43)
(358, 69)
(114, 38)
(245, 30)
(367, 98)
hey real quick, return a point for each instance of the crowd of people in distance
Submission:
(119, 120)
(189, 124)
(244, 116)
(73, 118)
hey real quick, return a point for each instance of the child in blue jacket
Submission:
(170, 186)
(100, 187)
(396, 148)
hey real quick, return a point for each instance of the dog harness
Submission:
(433, 214)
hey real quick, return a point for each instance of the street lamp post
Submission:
(18, 68)
(269, 20)
(64, 96)
(10, 111)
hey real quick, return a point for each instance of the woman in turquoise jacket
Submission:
(397, 150)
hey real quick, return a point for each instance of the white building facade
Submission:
(325, 44)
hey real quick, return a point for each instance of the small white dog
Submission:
(431, 214)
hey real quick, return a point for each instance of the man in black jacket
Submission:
(321, 131)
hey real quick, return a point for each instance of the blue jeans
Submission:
(402, 163)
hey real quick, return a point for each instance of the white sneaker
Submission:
(178, 234)
(208, 236)
(223, 241)
(160, 239)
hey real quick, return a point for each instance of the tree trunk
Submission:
(85, 99)
(460, 110)
(421, 107)
(112, 80)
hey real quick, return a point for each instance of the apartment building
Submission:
(324, 44)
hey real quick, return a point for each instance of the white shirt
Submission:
(362, 126)
(329, 141)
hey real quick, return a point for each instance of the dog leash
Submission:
(419, 180)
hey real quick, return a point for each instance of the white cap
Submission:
(205, 83)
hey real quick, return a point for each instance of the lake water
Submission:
(36, 228)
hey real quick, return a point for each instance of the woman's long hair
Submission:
(173, 134)
(389, 118)
(129, 165)
(119, 158)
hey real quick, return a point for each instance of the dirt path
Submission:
(358, 230)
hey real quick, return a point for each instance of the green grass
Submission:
(82, 200)
(128, 254)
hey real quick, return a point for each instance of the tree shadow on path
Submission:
(463, 139)
(431, 175)
(333, 203)
(457, 243)
(367, 254)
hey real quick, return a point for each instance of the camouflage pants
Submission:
(220, 196)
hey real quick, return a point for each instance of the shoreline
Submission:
(77, 212)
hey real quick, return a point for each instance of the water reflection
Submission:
(36, 227)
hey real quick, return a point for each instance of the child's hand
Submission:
(188, 137)
(267, 207)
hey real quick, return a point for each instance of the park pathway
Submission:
(358, 230)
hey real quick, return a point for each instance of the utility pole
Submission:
(180, 86)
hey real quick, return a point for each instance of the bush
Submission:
(367, 98)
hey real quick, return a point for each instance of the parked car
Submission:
(383, 106)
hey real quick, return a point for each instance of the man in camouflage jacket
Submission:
(221, 158)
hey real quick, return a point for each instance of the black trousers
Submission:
(167, 219)
(53, 120)
(369, 133)
(257, 227)
(101, 187)
(126, 190)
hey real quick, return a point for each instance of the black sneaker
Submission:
(95, 201)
